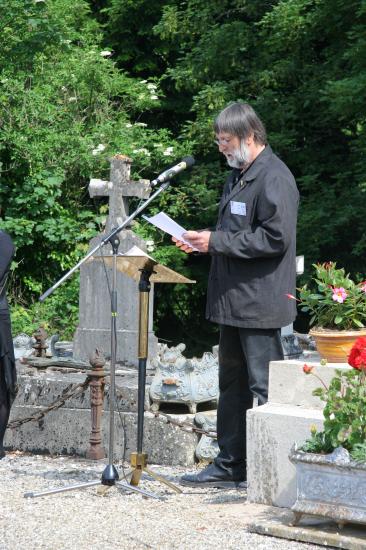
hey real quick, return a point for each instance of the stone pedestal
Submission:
(273, 428)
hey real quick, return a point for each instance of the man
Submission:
(253, 267)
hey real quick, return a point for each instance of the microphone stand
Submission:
(106, 239)
(110, 475)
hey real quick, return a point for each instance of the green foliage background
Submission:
(300, 63)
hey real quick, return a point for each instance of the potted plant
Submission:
(337, 309)
(331, 464)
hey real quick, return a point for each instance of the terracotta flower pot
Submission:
(335, 345)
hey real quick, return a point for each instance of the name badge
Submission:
(239, 208)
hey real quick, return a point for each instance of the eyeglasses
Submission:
(222, 141)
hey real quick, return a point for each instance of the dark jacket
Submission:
(254, 248)
(6, 255)
(7, 359)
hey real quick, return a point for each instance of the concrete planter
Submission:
(333, 486)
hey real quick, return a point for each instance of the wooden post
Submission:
(97, 361)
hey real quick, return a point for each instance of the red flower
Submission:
(357, 356)
(307, 369)
(291, 296)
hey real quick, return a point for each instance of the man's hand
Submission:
(198, 240)
(183, 246)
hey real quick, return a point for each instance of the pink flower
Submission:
(290, 296)
(363, 286)
(339, 294)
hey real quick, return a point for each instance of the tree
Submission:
(64, 109)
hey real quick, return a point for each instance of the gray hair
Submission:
(240, 119)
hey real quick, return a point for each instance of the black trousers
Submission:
(244, 356)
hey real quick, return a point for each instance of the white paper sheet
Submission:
(165, 223)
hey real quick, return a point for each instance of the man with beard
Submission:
(253, 267)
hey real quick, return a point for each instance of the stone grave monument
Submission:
(94, 326)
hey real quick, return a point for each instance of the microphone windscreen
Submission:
(189, 161)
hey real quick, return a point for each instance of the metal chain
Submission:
(74, 390)
(79, 388)
(185, 426)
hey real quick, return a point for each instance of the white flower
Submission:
(72, 99)
(151, 86)
(140, 124)
(143, 81)
(143, 151)
(105, 53)
(64, 89)
(150, 245)
(168, 151)
(128, 125)
(99, 148)
(154, 97)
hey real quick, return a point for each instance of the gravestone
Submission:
(94, 326)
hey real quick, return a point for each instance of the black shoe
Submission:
(213, 476)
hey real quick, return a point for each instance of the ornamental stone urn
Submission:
(332, 486)
(181, 380)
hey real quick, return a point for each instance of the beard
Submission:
(239, 157)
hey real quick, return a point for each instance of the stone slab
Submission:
(67, 431)
(45, 387)
(276, 522)
(272, 429)
(289, 385)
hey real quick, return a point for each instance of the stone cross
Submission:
(94, 300)
(118, 189)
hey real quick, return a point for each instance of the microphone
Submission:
(185, 163)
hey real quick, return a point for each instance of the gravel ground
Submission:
(86, 519)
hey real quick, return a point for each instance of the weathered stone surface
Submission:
(67, 431)
(272, 430)
(274, 427)
(94, 299)
(289, 385)
(44, 388)
(276, 522)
